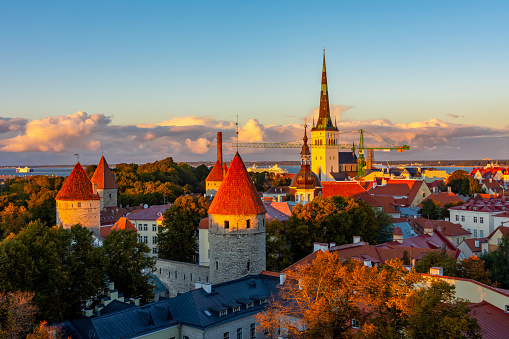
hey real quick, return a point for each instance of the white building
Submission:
(145, 221)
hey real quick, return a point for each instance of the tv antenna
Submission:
(77, 156)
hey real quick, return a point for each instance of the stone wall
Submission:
(180, 277)
(237, 250)
(108, 197)
(72, 212)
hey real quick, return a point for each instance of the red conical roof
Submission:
(225, 169)
(216, 173)
(77, 186)
(103, 176)
(397, 231)
(124, 224)
(237, 194)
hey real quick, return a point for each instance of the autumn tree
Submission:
(320, 300)
(128, 264)
(13, 219)
(17, 314)
(473, 268)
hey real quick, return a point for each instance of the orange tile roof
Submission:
(124, 224)
(494, 321)
(397, 231)
(341, 188)
(443, 198)
(216, 173)
(103, 176)
(204, 224)
(447, 228)
(237, 194)
(77, 186)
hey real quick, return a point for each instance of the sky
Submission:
(144, 80)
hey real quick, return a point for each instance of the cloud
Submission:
(186, 139)
(454, 115)
(12, 124)
(57, 134)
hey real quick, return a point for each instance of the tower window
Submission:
(226, 224)
(248, 266)
(248, 223)
(79, 204)
(217, 265)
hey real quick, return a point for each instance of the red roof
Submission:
(443, 198)
(494, 322)
(397, 231)
(103, 176)
(341, 188)
(447, 228)
(150, 213)
(216, 173)
(124, 224)
(237, 194)
(399, 188)
(204, 224)
(77, 186)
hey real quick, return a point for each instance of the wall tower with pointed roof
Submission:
(236, 227)
(324, 136)
(305, 185)
(78, 202)
(217, 172)
(105, 183)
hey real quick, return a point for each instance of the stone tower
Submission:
(216, 174)
(236, 227)
(305, 185)
(105, 183)
(324, 136)
(78, 202)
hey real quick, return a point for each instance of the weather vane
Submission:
(237, 131)
(77, 156)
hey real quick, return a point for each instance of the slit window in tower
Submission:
(226, 224)
(248, 266)
(248, 223)
(217, 265)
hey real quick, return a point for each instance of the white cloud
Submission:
(198, 146)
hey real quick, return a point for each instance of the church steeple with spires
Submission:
(324, 136)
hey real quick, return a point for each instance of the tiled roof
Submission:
(494, 322)
(342, 188)
(216, 173)
(204, 224)
(447, 228)
(278, 190)
(103, 176)
(443, 198)
(397, 231)
(503, 229)
(77, 186)
(151, 213)
(110, 215)
(388, 204)
(237, 194)
(124, 224)
(278, 210)
(471, 243)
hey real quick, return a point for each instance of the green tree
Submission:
(386, 227)
(277, 250)
(437, 259)
(128, 264)
(431, 209)
(177, 238)
(497, 262)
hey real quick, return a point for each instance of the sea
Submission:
(65, 171)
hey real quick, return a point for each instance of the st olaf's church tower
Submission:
(324, 159)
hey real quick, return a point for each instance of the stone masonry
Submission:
(72, 212)
(180, 277)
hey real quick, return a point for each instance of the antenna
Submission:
(77, 156)
(237, 127)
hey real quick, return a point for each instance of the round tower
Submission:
(236, 227)
(77, 202)
(105, 183)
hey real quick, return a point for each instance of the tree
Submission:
(320, 300)
(437, 259)
(128, 264)
(277, 250)
(386, 227)
(473, 268)
(462, 183)
(431, 209)
(17, 314)
(13, 219)
(497, 262)
(177, 238)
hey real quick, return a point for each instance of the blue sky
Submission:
(139, 65)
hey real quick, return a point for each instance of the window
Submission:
(475, 219)
(217, 265)
(248, 266)
(223, 313)
(185, 337)
(498, 241)
(356, 323)
(457, 241)
(236, 309)
(154, 228)
(462, 218)
(145, 239)
(226, 224)
(475, 233)
(263, 301)
(154, 240)
(249, 305)
(253, 331)
(239, 333)
(481, 233)
(79, 204)
(457, 217)
(481, 220)
(248, 223)
(485, 251)
(145, 227)
(424, 195)
(226, 335)
(139, 239)
(154, 250)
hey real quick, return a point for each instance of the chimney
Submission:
(356, 239)
(428, 228)
(95, 187)
(282, 278)
(397, 235)
(318, 246)
(198, 285)
(436, 271)
(220, 147)
(449, 190)
(207, 287)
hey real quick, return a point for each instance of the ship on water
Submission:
(274, 169)
(25, 169)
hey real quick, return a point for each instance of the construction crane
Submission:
(360, 147)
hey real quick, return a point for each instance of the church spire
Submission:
(324, 119)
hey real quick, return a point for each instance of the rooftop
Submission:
(77, 186)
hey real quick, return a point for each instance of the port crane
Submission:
(361, 148)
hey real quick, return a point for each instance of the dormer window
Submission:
(249, 305)
(263, 301)
(223, 313)
(236, 309)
